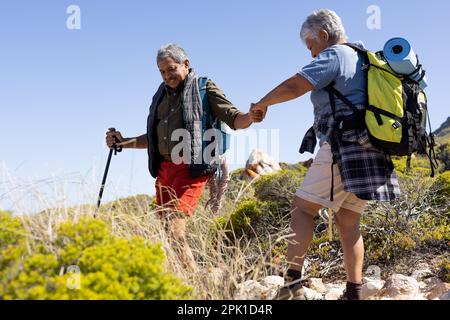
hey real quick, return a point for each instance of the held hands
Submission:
(258, 112)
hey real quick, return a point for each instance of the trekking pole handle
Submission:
(115, 147)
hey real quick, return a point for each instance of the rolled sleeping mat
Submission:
(404, 61)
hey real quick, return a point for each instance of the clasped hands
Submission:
(258, 112)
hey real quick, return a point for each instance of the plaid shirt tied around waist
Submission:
(365, 171)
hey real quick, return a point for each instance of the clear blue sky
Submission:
(61, 89)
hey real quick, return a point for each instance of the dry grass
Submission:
(223, 265)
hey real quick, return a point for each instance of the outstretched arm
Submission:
(290, 89)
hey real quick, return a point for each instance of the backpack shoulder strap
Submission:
(356, 48)
(202, 81)
(333, 92)
(207, 115)
(362, 51)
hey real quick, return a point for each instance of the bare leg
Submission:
(347, 223)
(302, 225)
(175, 226)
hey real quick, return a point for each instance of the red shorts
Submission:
(176, 189)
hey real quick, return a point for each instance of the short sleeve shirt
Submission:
(342, 65)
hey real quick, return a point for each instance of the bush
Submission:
(434, 232)
(11, 231)
(392, 238)
(444, 268)
(280, 188)
(420, 166)
(109, 267)
(240, 221)
(442, 184)
(443, 154)
(254, 218)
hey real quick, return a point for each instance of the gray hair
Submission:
(173, 51)
(323, 19)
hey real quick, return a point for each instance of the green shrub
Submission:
(420, 166)
(382, 249)
(442, 184)
(390, 239)
(444, 268)
(253, 218)
(438, 234)
(280, 187)
(240, 221)
(443, 154)
(109, 267)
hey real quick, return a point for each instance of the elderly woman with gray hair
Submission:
(347, 170)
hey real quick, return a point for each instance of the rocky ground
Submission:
(420, 285)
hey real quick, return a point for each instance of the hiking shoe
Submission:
(345, 296)
(295, 293)
(352, 292)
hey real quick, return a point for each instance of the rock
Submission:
(431, 283)
(250, 290)
(334, 294)
(416, 296)
(400, 285)
(336, 285)
(427, 285)
(272, 284)
(373, 272)
(254, 290)
(445, 296)
(422, 272)
(438, 291)
(250, 174)
(312, 294)
(316, 284)
(260, 163)
(274, 281)
(371, 287)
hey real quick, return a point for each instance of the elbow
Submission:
(295, 90)
(298, 85)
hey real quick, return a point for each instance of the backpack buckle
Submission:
(396, 125)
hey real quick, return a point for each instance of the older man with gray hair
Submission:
(347, 171)
(177, 107)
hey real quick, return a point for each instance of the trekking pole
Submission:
(116, 149)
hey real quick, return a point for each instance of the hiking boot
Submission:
(295, 293)
(346, 297)
(352, 292)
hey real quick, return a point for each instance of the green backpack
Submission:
(396, 114)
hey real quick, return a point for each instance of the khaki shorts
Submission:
(317, 185)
